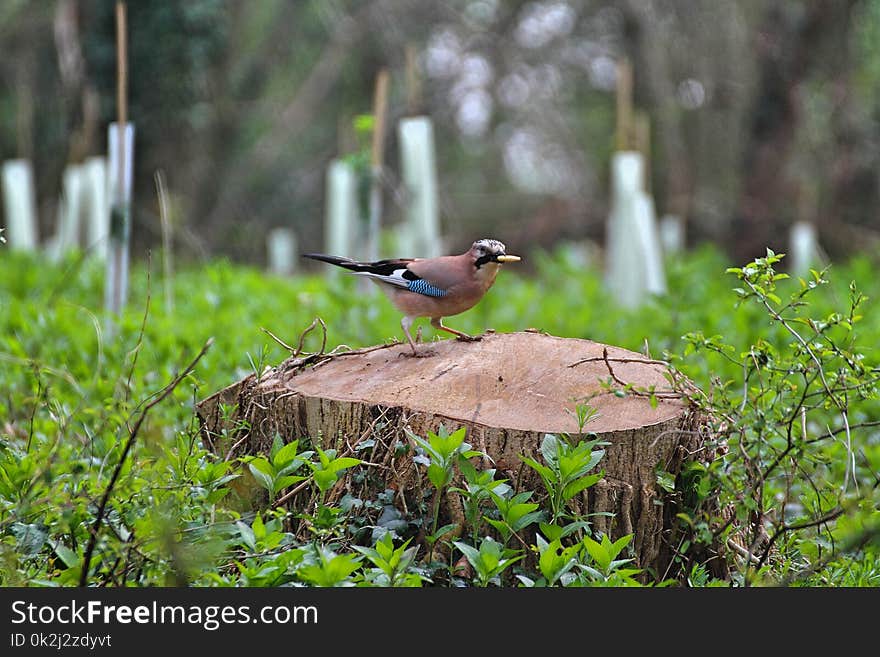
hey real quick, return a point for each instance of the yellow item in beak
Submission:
(508, 258)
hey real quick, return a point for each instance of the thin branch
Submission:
(132, 436)
(828, 517)
(861, 540)
(741, 551)
(831, 434)
(140, 338)
(165, 219)
(292, 350)
(604, 357)
(804, 345)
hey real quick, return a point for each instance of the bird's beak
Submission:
(508, 258)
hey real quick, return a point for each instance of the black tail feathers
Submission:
(334, 260)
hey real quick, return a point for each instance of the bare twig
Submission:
(604, 357)
(828, 517)
(741, 551)
(835, 432)
(132, 436)
(299, 348)
(140, 339)
(611, 369)
(292, 350)
(235, 446)
(862, 539)
(165, 218)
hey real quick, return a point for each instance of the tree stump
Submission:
(508, 390)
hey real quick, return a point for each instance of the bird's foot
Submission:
(469, 338)
(419, 353)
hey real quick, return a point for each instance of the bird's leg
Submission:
(437, 323)
(405, 324)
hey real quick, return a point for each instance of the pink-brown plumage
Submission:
(433, 287)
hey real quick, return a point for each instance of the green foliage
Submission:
(791, 420)
(331, 569)
(392, 564)
(440, 453)
(789, 376)
(586, 563)
(490, 560)
(274, 473)
(515, 512)
(326, 469)
(565, 473)
(443, 450)
(480, 485)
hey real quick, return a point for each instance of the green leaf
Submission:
(258, 528)
(550, 448)
(263, 472)
(333, 569)
(438, 475)
(500, 526)
(619, 544)
(581, 484)
(68, 557)
(277, 444)
(445, 529)
(283, 482)
(517, 512)
(598, 552)
(446, 446)
(526, 520)
(364, 123)
(552, 532)
(468, 471)
(472, 554)
(581, 525)
(30, 538)
(527, 582)
(555, 561)
(324, 479)
(665, 480)
(545, 472)
(286, 454)
(247, 535)
(425, 446)
(343, 463)
(215, 496)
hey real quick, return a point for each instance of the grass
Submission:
(70, 395)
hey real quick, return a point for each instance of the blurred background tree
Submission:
(761, 112)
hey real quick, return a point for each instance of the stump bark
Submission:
(508, 391)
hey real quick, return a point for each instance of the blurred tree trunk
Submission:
(231, 203)
(79, 95)
(793, 42)
(849, 209)
(655, 80)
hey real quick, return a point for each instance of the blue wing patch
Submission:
(421, 286)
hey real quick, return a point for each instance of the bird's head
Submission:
(486, 251)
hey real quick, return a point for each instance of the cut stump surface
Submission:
(508, 390)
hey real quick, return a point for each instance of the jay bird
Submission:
(432, 287)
